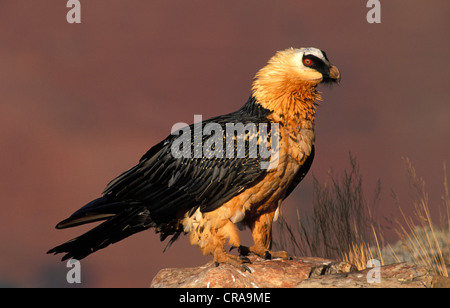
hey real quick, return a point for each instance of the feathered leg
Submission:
(212, 240)
(262, 237)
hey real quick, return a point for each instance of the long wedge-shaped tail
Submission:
(118, 225)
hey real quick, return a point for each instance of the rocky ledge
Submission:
(298, 273)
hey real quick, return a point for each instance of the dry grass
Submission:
(360, 254)
(419, 233)
(343, 227)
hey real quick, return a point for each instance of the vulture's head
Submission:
(312, 64)
(294, 73)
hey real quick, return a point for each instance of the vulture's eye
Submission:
(307, 62)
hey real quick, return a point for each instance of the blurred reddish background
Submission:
(80, 103)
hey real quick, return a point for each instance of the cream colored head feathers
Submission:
(290, 78)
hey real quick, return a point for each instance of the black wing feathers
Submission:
(301, 173)
(168, 186)
(118, 227)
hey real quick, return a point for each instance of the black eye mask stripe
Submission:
(317, 64)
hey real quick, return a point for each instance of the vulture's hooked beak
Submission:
(334, 74)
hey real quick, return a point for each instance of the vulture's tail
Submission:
(122, 220)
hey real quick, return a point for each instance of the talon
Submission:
(244, 259)
(246, 268)
(281, 254)
(222, 257)
(268, 254)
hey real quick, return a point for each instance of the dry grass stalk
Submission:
(420, 236)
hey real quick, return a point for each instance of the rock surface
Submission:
(299, 272)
